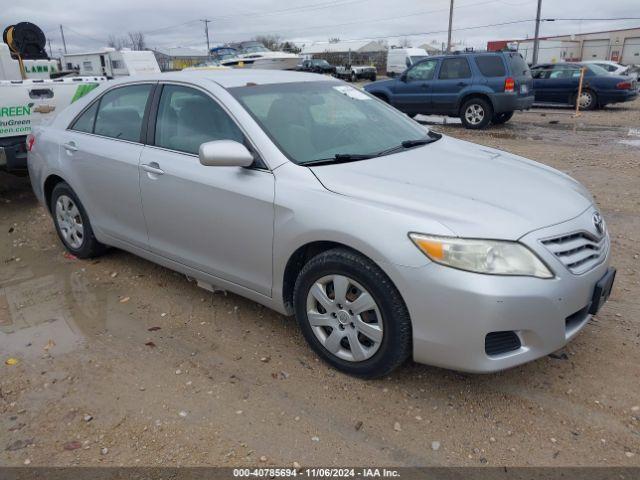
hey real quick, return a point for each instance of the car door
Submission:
(103, 148)
(412, 92)
(543, 86)
(218, 220)
(556, 83)
(453, 77)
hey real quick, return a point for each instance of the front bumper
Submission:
(509, 102)
(452, 311)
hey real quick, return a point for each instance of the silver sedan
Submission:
(387, 241)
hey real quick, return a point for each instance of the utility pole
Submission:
(64, 44)
(536, 40)
(450, 25)
(50, 51)
(206, 32)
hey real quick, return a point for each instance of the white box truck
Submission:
(28, 94)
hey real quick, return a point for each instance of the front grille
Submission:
(579, 252)
(496, 343)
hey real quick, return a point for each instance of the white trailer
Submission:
(112, 63)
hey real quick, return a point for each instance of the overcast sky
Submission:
(88, 24)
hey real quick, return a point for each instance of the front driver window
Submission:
(187, 118)
(423, 71)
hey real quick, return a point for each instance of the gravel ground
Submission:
(122, 362)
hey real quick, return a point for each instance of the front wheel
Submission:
(72, 223)
(351, 314)
(500, 118)
(476, 113)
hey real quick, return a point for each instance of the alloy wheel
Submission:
(345, 318)
(474, 114)
(69, 221)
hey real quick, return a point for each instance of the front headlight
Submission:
(491, 257)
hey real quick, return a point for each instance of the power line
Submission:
(437, 31)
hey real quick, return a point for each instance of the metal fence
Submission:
(377, 59)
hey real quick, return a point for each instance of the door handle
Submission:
(70, 147)
(462, 84)
(153, 168)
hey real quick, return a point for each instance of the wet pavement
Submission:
(122, 362)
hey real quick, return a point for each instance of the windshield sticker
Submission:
(352, 92)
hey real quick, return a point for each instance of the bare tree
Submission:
(404, 43)
(272, 42)
(117, 42)
(137, 41)
(334, 40)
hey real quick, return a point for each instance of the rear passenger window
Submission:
(84, 123)
(121, 111)
(453, 68)
(187, 118)
(491, 66)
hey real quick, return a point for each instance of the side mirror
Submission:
(403, 77)
(225, 153)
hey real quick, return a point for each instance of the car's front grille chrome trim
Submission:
(579, 252)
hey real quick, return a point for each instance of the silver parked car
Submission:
(313, 198)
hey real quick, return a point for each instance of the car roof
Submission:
(231, 78)
(467, 54)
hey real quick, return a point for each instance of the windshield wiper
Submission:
(353, 157)
(430, 138)
(342, 158)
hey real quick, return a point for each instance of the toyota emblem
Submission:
(598, 222)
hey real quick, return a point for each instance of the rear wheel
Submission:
(351, 314)
(588, 100)
(476, 113)
(72, 223)
(500, 118)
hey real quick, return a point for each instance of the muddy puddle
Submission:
(54, 311)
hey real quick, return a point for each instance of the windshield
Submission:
(311, 121)
(596, 69)
(320, 62)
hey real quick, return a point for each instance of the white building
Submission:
(621, 45)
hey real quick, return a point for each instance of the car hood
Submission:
(379, 84)
(472, 190)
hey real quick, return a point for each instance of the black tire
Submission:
(500, 118)
(373, 77)
(89, 247)
(591, 100)
(481, 105)
(395, 346)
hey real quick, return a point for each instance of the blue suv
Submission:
(480, 88)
